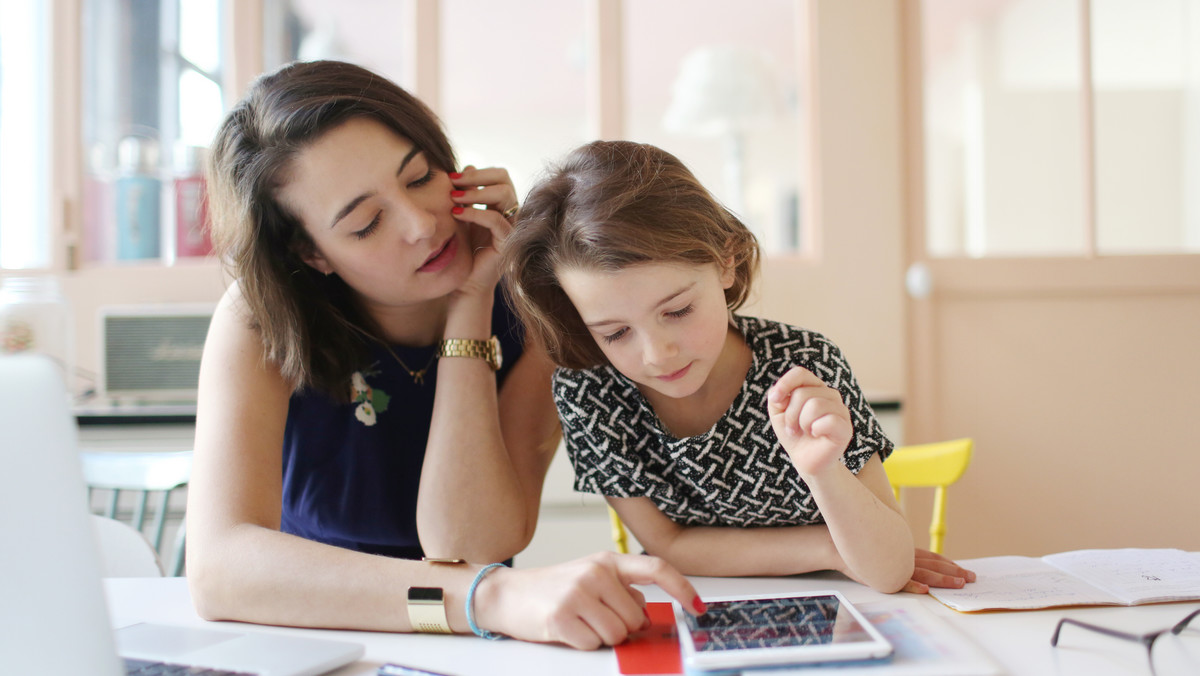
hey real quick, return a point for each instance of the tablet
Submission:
(777, 630)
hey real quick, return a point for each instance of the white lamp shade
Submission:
(722, 89)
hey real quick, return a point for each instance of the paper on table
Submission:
(1084, 577)
(1017, 582)
(1135, 575)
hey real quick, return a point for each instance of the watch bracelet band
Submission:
(465, 347)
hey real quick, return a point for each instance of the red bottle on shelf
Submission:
(191, 204)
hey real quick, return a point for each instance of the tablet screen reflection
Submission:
(765, 623)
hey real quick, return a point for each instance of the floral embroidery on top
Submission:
(371, 402)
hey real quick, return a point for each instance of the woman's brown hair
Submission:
(609, 205)
(311, 325)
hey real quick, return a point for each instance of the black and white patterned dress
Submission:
(735, 474)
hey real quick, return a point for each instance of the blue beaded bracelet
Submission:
(483, 633)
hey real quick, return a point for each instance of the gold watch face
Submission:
(497, 359)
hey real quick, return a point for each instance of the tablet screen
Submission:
(748, 624)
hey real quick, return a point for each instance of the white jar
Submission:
(36, 318)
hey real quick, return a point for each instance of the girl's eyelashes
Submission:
(675, 314)
(370, 228)
(614, 337)
(682, 312)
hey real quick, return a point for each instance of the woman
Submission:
(364, 350)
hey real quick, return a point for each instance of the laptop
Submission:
(53, 615)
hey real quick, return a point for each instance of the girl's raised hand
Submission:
(491, 188)
(810, 420)
(586, 603)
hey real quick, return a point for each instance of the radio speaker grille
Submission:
(153, 356)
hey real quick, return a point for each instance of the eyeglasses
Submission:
(1145, 639)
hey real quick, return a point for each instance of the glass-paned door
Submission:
(717, 84)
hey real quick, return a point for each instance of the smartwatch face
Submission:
(425, 594)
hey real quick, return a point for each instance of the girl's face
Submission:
(663, 325)
(379, 216)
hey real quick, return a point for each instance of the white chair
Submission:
(142, 472)
(124, 552)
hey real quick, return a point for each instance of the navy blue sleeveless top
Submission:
(351, 471)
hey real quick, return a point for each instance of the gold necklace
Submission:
(417, 376)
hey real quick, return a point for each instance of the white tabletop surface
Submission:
(1019, 642)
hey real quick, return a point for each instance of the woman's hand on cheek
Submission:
(491, 188)
(586, 603)
(935, 570)
(487, 231)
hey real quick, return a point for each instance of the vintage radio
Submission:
(152, 352)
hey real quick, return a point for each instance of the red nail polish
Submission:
(456, 210)
(455, 174)
(699, 605)
(458, 193)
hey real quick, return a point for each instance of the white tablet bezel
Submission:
(876, 649)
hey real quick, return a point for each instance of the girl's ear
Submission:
(728, 273)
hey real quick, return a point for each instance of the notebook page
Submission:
(1019, 582)
(1136, 575)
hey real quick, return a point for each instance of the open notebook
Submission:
(53, 614)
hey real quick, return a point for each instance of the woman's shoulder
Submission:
(233, 302)
(232, 331)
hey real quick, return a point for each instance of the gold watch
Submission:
(487, 350)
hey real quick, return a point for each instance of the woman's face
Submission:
(379, 216)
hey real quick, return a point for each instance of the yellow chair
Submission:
(930, 465)
(620, 539)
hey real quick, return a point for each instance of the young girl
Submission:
(729, 445)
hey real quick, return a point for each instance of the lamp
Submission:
(724, 90)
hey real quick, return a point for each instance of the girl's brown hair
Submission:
(607, 206)
(311, 325)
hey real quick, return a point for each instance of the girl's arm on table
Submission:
(731, 551)
(728, 551)
(858, 527)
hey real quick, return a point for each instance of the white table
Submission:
(1018, 641)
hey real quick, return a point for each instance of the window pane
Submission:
(1146, 72)
(151, 104)
(24, 137)
(501, 113)
(716, 84)
(1004, 172)
(365, 32)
